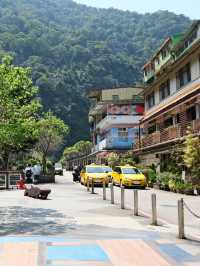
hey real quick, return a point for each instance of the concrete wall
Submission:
(123, 93)
(149, 159)
(195, 74)
(195, 68)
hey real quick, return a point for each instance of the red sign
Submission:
(128, 109)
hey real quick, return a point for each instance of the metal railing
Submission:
(9, 179)
(181, 205)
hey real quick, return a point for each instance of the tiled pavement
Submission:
(57, 251)
(83, 229)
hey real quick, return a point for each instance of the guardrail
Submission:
(9, 179)
(181, 205)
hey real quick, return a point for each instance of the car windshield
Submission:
(130, 171)
(98, 169)
(58, 165)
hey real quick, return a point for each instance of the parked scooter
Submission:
(76, 174)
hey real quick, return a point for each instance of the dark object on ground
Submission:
(37, 193)
(29, 180)
(76, 177)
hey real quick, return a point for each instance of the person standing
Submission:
(28, 174)
(36, 169)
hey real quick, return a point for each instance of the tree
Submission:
(102, 48)
(19, 110)
(70, 153)
(113, 159)
(175, 164)
(83, 147)
(191, 154)
(51, 131)
(80, 148)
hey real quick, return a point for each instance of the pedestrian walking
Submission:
(28, 174)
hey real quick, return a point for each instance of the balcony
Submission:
(195, 125)
(171, 133)
(114, 143)
(149, 77)
(184, 92)
(166, 135)
(151, 139)
(112, 120)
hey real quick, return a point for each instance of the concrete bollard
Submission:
(88, 184)
(135, 211)
(154, 209)
(92, 184)
(122, 198)
(112, 194)
(104, 189)
(181, 231)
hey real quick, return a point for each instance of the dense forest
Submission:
(73, 48)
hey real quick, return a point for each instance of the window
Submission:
(152, 129)
(115, 97)
(164, 90)
(164, 54)
(157, 60)
(183, 76)
(118, 170)
(130, 171)
(191, 113)
(168, 122)
(83, 170)
(91, 169)
(150, 99)
(177, 118)
(123, 132)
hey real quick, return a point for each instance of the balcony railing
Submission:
(115, 143)
(169, 134)
(151, 139)
(195, 126)
(111, 120)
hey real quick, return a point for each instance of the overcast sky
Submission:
(189, 8)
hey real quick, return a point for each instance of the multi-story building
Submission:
(114, 118)
(172, 96)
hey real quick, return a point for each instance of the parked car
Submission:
(58, 169)
(128, 176)
(98, 173)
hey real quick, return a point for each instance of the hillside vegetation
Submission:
(72, 48)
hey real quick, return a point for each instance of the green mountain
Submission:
(73, 48)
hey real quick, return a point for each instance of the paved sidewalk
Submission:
(167, 210)
(75, 227)
(38, 251)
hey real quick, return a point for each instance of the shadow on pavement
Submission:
(35, 221)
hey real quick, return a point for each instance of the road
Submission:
(75, 227)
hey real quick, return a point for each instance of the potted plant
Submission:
(172, 184)
(151, 175)
(198, 189)
(189, 189)
(180, 187)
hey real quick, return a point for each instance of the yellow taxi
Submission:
(98, 173)
(128, 176)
